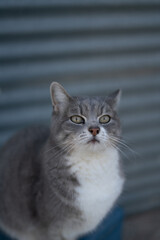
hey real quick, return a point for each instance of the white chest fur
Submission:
(100, 184)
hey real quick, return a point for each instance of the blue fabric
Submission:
(109, 229)
(4, 237)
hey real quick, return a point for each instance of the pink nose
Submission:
(94, 130)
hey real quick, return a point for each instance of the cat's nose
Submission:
(94, 130)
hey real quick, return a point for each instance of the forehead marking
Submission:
(90, 107)
(85, 107)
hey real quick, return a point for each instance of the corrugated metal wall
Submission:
(91, 47)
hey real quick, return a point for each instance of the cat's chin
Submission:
(94, 146)
(93, 141)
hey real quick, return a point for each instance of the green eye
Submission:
(77, 119)
(104, 119)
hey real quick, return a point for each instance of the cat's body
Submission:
(59, 183)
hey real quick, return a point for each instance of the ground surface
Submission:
(143, 226)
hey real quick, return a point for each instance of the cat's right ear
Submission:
(114, 99)
(60, 98)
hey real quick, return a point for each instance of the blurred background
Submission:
(91, 48)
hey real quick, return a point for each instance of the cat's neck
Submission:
(89, 164)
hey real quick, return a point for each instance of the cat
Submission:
(59, 183)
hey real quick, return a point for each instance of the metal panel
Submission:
(91, 47)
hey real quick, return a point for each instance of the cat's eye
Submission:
(104, 119)
(77, 119)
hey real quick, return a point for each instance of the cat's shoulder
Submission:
(33, 135)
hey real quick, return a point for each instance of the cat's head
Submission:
(84, 122)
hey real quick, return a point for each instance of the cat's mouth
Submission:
(93, 140)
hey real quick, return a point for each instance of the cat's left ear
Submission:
(60, 98)
(114, 99)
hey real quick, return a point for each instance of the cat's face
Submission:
(83, 122)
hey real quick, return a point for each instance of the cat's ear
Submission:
(114, 99)
(60, 98)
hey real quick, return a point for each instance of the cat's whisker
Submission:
(54, 156)
(103, 139)
(82, 135)
(122, 144)
(71, 148)
(119, 141)
(107, 143)
(62, 150)
(52, 148)
(118, 149)
(83, 139)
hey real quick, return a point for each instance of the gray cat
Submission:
(59, 183)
